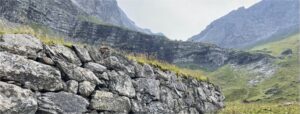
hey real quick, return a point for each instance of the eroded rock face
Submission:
(108, 83)
(39, 76)
(15, 100)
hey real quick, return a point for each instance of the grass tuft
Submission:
(143, 59)
(38, 33)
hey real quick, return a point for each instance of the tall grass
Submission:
(38, 33)
(143, 59)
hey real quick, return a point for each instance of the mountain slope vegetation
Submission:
(282, 86)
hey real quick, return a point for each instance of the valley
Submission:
(93, 55)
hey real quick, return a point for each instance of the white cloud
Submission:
(179, 19)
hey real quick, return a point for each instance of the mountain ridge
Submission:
(243, 28)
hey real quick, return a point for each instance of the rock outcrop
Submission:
(64, 15)
(200, 55)
(99, 80)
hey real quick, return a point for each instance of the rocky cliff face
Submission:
(201, 55)
(108, 11)
(242, 28)
(64, 15)
(38, 78)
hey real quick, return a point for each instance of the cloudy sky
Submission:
(179, 19)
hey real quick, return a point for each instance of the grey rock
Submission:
(40, 76)
(102, 100)
(62, 53)
(158, 107)
(193, 111)
(189, 111)
(79, 74)
(163, 75)
(21, 44)
(148, 71)
(287, 52)
(72, 86)
(168, 97)
(95, 67)
(95, 54)
(144, 71)
(201, 93)
(244, 27)
(209, 108)
(103, 76)
(148, 86)
(86, 88)
(46, 60)
(137, 106)
(113, 62)
(15, 100)
(82, 53)
(121, 83)
(61, 103)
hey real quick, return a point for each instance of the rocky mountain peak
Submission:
(108, 11)
(265, 21)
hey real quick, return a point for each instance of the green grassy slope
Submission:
(283, 86)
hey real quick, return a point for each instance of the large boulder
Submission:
(21, 44)
(15, 100)
(73, 72)
(61, 103)
(37, 75)
(62, 53)
(107, 101)
(121, 83)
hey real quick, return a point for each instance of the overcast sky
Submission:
(179, 19)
